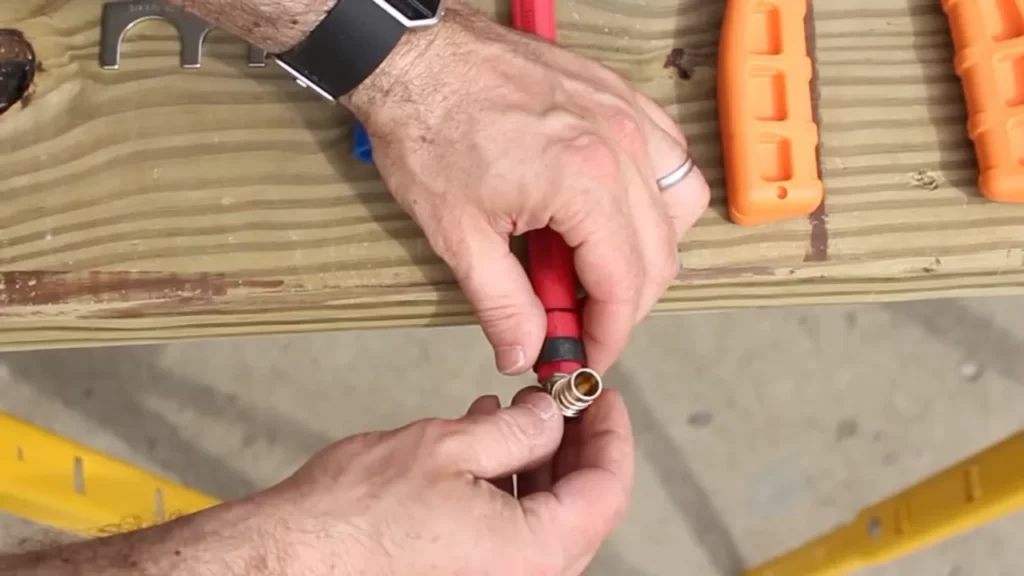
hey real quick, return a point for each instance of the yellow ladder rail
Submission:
(963, 497)
(53, 481)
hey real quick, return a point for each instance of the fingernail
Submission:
(543, 404)
(510, 359)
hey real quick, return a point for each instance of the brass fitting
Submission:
(573, 393)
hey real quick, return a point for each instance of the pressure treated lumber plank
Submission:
(155, 203)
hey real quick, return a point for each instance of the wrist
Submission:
(415, 68)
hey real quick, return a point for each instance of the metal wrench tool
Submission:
(119, 17)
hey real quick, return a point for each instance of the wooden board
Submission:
(153, 203)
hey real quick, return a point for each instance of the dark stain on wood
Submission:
(818, 251)
(44, 288)
(17, 69)
(677, 59)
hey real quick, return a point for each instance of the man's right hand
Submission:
(433, 498)
(430, 499)
(482, 132)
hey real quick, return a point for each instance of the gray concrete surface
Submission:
(757, 430)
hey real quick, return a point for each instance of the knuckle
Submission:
(631, 276)
(451, 450)
(502, 318)
(456, 443)
(625, 128)
(363, 444)
(359, 443)
(589, 195)
(630, 285)
(435, 428)
(590, 155)
(518, 435)
(634, 266)
(446, 440)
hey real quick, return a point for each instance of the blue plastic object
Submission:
(361, 149)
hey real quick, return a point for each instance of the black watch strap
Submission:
(344, 49)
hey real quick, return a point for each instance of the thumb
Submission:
(512, 439)
(503, 299)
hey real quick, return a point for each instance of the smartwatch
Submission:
(354, 39)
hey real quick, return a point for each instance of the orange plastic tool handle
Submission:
(989, 39)
(769, 137)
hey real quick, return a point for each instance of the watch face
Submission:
(414, 13)
(416, 10)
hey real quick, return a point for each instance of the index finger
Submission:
(584, 506)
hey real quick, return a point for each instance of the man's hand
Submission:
(432, 498)
(482, 133)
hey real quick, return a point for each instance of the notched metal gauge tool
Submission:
(119, 17)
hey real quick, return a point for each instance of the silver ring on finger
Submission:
(676, 176)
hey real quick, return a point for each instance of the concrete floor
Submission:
(756, 429)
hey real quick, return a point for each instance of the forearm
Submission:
(217, 541)
(275, 25)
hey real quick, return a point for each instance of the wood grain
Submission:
(154, 203)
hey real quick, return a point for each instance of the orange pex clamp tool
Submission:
(561, 366)
(768, 128)
(988, 36)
